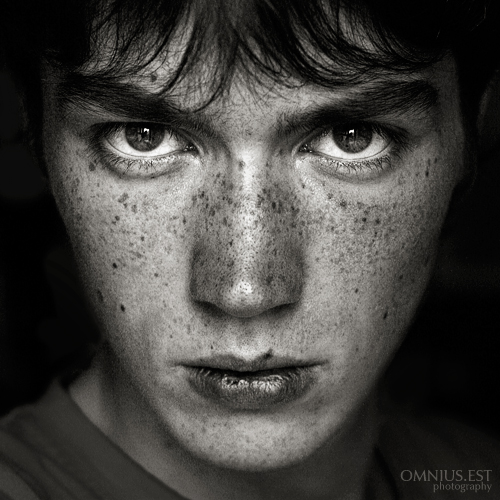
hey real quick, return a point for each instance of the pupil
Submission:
(144, 138)
(353, 139)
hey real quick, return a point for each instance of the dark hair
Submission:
(306, 39)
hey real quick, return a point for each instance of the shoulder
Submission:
(18, 460)
(432, 454)
(34, 461)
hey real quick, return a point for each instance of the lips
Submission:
(250, 385)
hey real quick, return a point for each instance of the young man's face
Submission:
(286, 234)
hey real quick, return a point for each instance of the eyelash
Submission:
(152, 166)
(155, 166)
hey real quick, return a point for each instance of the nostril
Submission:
(210, 308)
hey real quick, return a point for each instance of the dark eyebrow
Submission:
(383, 97)
(128, 101)
(380, 99)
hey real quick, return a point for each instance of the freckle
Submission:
(117, 217)
(427, 173)
(273, 204)
(357, 349)
(241, 164)
(134, 208)
(343, 204)
(92, 166)
(184, 220)
(357, 290)
(400, 277)
(123, 198)
(114, 265)
(231, 243)
(385, 314)
(100, 296)
(212, 347)
(153, 78)
(156, 275)
(330, 196)
(377, 221)
(122, 307)
(364, 219)
(142, 238)
(269, 354)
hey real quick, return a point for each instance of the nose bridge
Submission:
(247, 259)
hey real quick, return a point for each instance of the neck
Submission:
(338, 469)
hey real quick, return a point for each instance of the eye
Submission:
(146, 140)
(349, 142)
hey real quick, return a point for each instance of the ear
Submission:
(488, 122)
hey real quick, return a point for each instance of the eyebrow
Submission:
(125, 100)
(381, 97)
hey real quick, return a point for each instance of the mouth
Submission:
(251, 385)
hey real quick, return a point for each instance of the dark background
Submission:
(448, 362)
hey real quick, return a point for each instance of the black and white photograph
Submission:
(249, 250)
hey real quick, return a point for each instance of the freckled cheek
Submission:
(131, 248)
(368, 262)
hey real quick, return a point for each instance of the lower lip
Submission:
(251, 390)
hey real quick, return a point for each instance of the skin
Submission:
(254, 247)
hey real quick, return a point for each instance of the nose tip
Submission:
(245, 299)
(248, 290)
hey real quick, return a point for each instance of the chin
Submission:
(254, 443)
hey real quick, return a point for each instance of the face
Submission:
(253, 266)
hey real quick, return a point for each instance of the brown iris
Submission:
(353, 139)
(144, 138)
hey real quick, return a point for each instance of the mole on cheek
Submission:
(122, 307)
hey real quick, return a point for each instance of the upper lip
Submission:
(239, 364)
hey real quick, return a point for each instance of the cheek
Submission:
(370, 256)
(129, 240)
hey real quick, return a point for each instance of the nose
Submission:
(247, 258)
